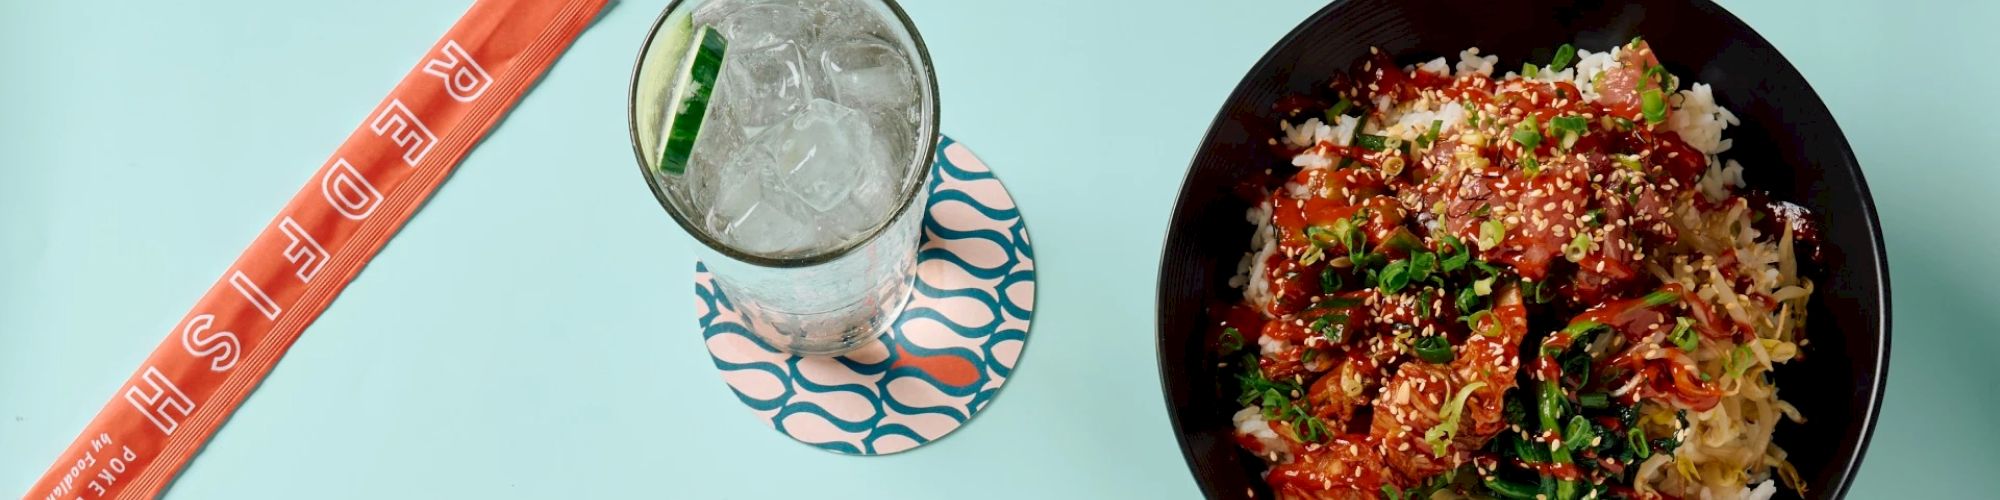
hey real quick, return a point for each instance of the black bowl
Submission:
(1788, 143)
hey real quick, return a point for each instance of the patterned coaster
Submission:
(948, 355)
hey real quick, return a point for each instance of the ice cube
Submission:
(746, 212)
(713, 12)
(848, 18)
(820, 153)
(866, 72)
(719, 138)
(877, 188)
(761, 24)
(763, 86)
(769, 229)
(735, 189)
(896, 128)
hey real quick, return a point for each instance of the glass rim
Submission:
(700, 232)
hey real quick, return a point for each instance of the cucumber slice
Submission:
(688, 100)
(656, 77)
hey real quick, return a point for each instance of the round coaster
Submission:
(948, 354)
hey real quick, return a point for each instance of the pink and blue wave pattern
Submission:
(948, 355)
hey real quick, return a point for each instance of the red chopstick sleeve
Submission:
(399, 155)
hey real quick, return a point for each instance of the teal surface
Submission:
(529, 333)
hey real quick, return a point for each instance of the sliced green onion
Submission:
(1595, 217)
(1394, 277)
(1459, 255)
(1538, 292)
(1569, 123)
(1636, 440)
(1630, 161)
(1321, 235)
(1683, 335)
(1569, 128)
(1654, 72)
(1653, 105)
(1491, 233)
(1310, 427)
(1661, 298)
(1424, 304)
(1578, 434)
(1427, 138)
(1355, 239)
(1338, 109)
(1486, 269)
(1421, 263)
(1577, 247)
(1622, 122)
(1274, 401)
(1484, 286)
(1338, 233)
(1594, 400)
(1435, 349)
(1329, 281)
(1528, 70)
(1391, 492)
(1530, 166)
(1563, 55)
(1528, 133)
(1467, 300)
(1478, 317)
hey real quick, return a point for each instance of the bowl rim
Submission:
(1879, 378)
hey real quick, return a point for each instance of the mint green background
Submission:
(529, 334)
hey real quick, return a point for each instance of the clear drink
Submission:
(805, 177)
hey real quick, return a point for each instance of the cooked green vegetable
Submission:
(1371, 142)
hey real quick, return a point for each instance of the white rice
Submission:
(1699, 121)
(1312, 132)
(1588, 66)
(1250, 269)
(1470, 63)
(1436, 67)
(1250, 422)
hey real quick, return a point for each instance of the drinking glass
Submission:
(836, 294)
